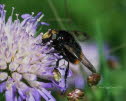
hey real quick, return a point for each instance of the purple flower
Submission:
(24, 63)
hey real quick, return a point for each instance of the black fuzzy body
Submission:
(64, 38)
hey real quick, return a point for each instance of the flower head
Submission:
(75, 95)
(93, 79)
(25, 65)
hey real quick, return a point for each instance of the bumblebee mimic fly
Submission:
(66, 44)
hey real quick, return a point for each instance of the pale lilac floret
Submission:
(24, 62)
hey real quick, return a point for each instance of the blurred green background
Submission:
(103, 20)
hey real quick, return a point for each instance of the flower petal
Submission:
(24, 16)
(2, 87)
(36, 95)
(44, 23)
(45, 94)
(9, 95)
(30, 97)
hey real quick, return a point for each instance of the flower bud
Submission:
(75, 95)
(93, 79)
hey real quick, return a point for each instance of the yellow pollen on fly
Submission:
(46, 35)
(53, 31)
(56, 74)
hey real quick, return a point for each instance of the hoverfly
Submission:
(65, 44)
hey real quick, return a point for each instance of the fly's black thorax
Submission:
(58, 41)
(68, 39)
(61, 39)
(65, 38)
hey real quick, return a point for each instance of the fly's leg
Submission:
(67, 69)
(66, 73)
(65, 77)
(57, 62)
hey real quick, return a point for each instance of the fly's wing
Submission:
(87, 63)
(80, 56)
(81, 36)
(70, 56)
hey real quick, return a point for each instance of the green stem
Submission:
(56, 14)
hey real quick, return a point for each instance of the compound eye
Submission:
(46, 35)
(54, 36)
